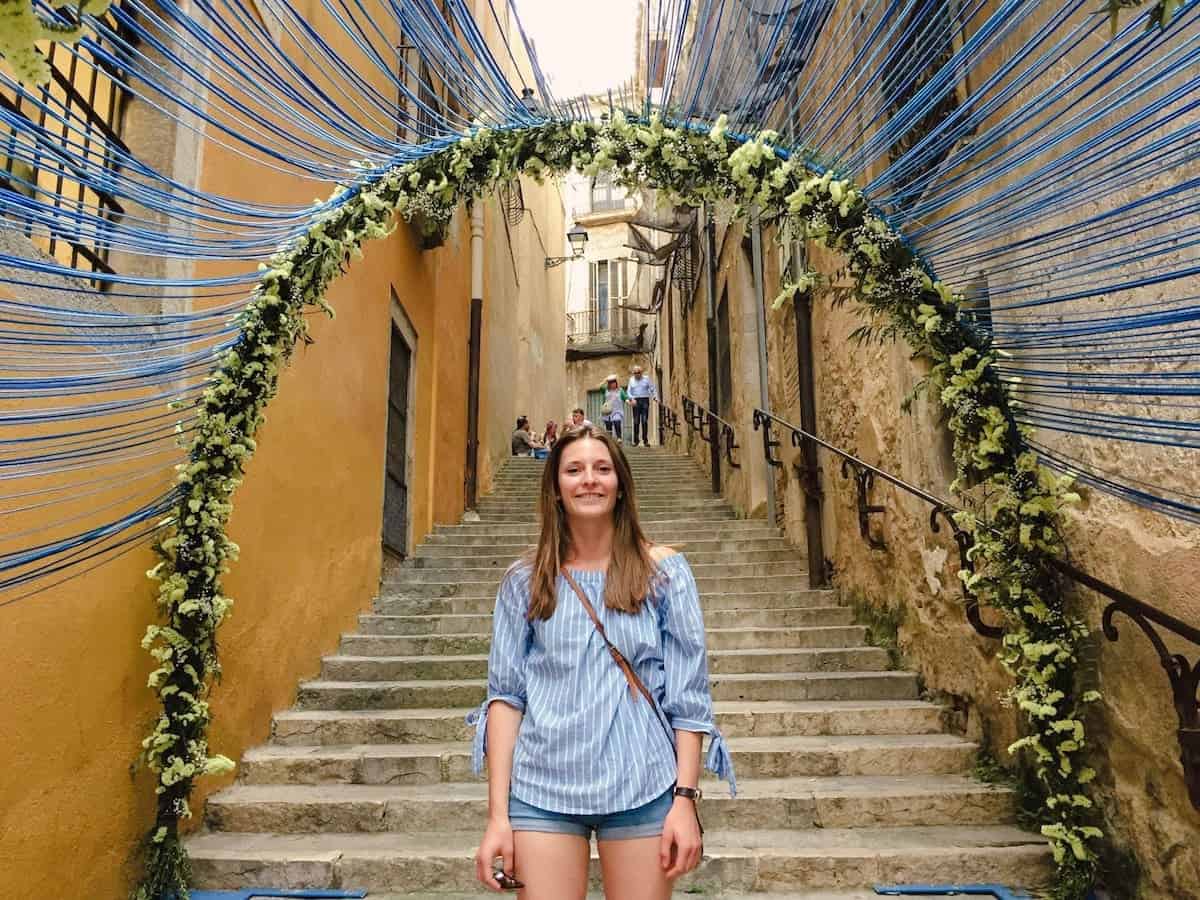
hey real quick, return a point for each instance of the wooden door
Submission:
(395, 493)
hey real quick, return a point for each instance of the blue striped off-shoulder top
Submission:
(587, 744)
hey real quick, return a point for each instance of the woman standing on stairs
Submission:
(598, 696)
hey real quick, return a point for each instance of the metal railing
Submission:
(613, 326)
(667, 421)
(712, 428)
(1184, 677)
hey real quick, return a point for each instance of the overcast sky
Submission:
(583, 45)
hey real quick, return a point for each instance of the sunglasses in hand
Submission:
(506, 881)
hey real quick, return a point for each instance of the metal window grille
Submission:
(81, 108)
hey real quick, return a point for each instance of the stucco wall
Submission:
(74, 704)
(523, 314)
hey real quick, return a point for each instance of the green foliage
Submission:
(1014, 507)
(883, 626)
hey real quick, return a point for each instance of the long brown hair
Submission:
(630, 567)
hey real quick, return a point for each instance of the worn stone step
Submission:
(704, 894)
(648, 519)
(529, 532)
(431, 584)
(755, 861)
(710, 574)
(484, 559)
(318, 694)
(397, 602)
(720, 662)
(676, 535)
(735, 719)
(837, 801)
(717, 639)
(683, 503)
(511, 551)
(785, 617)
(654, 491)
(784, 756)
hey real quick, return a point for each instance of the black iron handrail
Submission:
(1183, 676)
(701, 419)
(667, 420)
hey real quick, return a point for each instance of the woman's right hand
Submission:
(497, 841)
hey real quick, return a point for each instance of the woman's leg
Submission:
(552, 866)
(632, 870)
(617, 428)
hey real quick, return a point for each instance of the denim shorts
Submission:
(643, 821)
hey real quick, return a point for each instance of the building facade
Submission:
(363, 454)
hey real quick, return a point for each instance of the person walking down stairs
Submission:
(641, 391)
(846, 776)
(598, 695)
(612, 410)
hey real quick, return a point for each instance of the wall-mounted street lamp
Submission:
(528, 101)
(578, 237)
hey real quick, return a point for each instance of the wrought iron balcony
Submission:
(613, 331)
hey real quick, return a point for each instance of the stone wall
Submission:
(860, 390)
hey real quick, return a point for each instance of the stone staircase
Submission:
(847, 778)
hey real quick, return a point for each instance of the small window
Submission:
(606, 195)
(656, 64)
(429, 107)
(608, 288)
(91, 100)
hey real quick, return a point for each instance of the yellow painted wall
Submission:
(74, 704)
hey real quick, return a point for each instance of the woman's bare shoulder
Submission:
(659, 552)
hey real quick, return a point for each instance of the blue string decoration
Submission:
(1041, 166)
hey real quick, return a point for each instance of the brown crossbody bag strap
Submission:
(636, 686)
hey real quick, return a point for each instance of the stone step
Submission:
(703, 893)
(396, 602)
(735, 719)
(488, 559)
(717, 639)
(510, 551)
(778, 574)
(667, 528)
(649, 517)
(754, 861)
(787, 756)
(318, 694)
(673, 488)
(665, 499)
(429, 584)
(837, 801)
(720, 662)
(466, 623)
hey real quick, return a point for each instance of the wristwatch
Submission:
(692, 794)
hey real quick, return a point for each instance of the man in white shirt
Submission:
(578, 420)
(641, 391)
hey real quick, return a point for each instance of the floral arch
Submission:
(1013, 504)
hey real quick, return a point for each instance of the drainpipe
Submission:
(808, 421)
(472, 467)
(760, 326)
(714, 431)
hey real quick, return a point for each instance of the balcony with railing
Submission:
(600, 332)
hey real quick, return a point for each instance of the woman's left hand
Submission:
(680, 849)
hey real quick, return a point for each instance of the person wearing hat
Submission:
(612, 410)
(641, 391)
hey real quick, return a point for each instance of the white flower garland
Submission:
(1020, 501)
